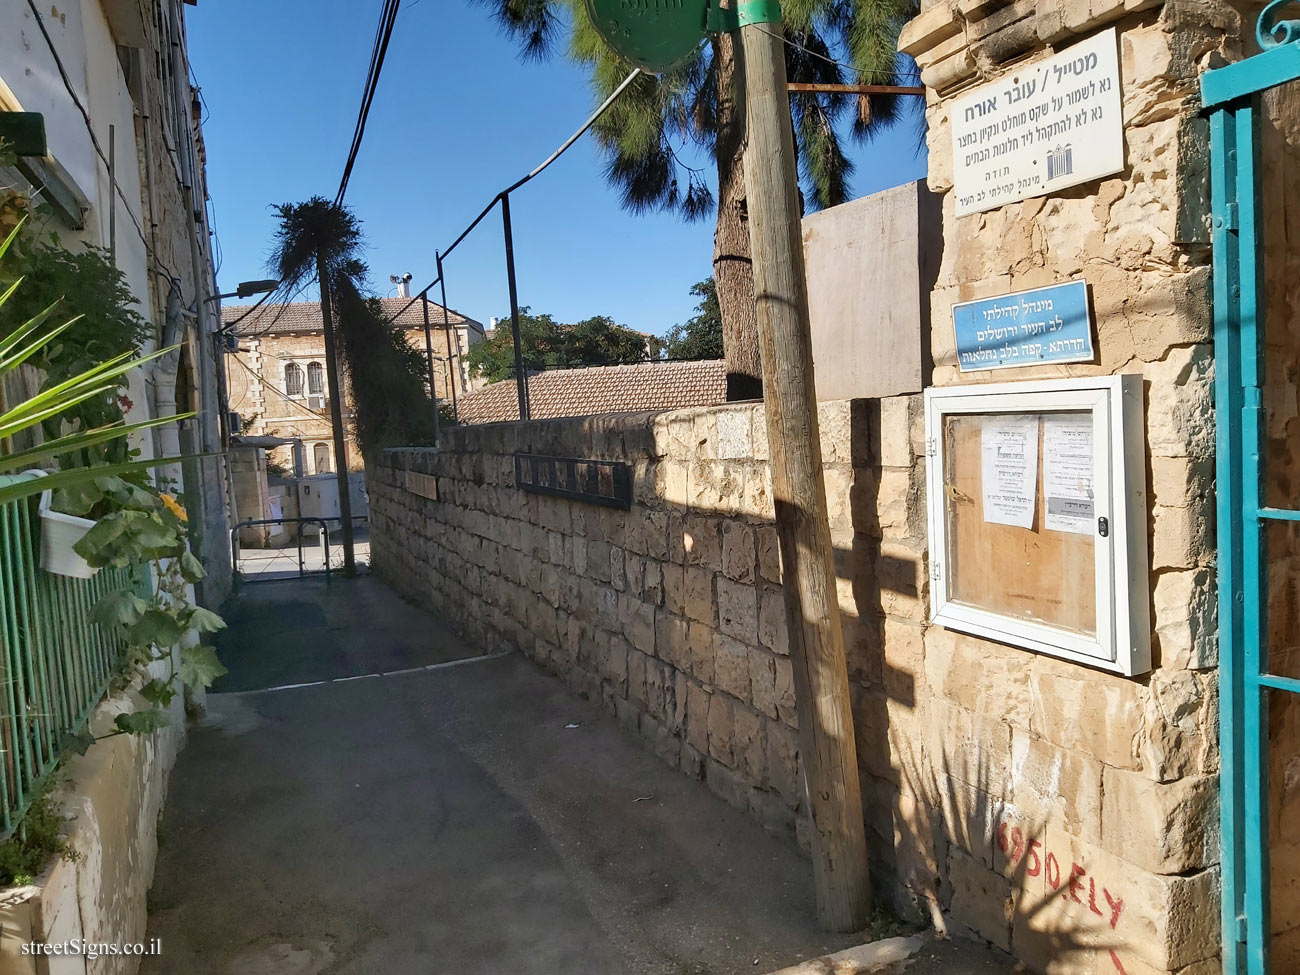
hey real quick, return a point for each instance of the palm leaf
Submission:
(102, 379)
(59, 480)
(79, 388)
(10, 362)
(74, 442)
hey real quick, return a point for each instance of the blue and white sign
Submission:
(1028, 328)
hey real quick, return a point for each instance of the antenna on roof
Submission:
(403, 282)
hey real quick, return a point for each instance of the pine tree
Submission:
(830, 41)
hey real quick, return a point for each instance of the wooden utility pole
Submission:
(336, 419)
(798, 487)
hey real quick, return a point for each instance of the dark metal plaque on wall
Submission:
(607, 482)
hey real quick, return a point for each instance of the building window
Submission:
(315, 378)
(293, 379)
(320, 454)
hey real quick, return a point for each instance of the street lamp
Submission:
(246, 289)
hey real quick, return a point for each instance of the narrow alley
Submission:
(460, 814)
(672, 481)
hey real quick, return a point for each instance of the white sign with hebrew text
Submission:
(1039, 128)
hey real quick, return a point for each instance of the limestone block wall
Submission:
(1066, 814)
(1087, 838)
(111, 798)
(670, 613)
(1057, 811)
(257, 394)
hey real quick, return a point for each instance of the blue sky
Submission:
(457, 118)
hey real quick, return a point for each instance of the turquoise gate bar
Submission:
(1231, 96)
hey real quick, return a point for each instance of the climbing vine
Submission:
(138, 525)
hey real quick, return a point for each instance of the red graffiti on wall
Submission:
(1073, 883)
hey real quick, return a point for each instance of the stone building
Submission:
(279, 385)
(1064, 808)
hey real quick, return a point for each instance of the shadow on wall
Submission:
(940, 840)
(672, 616)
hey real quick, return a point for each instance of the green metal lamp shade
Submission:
(654, 35)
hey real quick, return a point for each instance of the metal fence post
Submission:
(428, 351)
(446, 324)
(521, 379)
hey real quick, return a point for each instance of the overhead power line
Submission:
(384, 33)
(536, 171)
(281, 393)
(889, 75)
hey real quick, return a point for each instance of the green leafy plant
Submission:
(19, 345)
(25, 854)
(548, 344)
(134, 522)
(699, 337)
(88, 286)
(142, 525)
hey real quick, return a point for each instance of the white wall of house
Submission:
(30, 82)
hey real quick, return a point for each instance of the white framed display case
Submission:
(1037, 508)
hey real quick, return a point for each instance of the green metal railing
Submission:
(55, 663)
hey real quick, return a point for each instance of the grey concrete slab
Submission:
(918, 954)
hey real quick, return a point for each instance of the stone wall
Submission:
(111, 798)
(257, 391)
(1064, 813)
(669, 613)
(252, 494)
(1053, 809)
(257, 395)
(1113, 779)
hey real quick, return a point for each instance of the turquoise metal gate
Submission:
(1232, 96)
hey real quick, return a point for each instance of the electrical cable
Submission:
(280, 309)
(94, 140)
(281, 393)
(914, 73)
(536, 171)
(231, 324)
(387, 20)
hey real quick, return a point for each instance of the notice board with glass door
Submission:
(1037, 517)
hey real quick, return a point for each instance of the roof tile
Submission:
(602, 389)
(304, 316)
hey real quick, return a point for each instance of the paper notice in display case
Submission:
(1038, 516)
(1068, 465)
(1009, 469)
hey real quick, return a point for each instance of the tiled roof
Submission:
(304, 317)
(602, 389)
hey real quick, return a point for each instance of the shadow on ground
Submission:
(303, 630)
(476, 817)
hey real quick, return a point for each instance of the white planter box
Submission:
(59, 533)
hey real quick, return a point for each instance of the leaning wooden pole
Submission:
(816, 639)
(336, 420)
